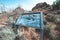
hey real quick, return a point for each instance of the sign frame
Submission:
(41, 23)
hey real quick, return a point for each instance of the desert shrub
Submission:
(58, 12)
(45, 22)
(57, 21)
(20, 37)
(37, 30)
(45, 13)
(51, 17)
(46, 32)
(59, 37)
(57, 27)
(14, 27)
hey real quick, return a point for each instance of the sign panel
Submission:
(34, 19)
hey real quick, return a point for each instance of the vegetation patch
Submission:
(51, 17)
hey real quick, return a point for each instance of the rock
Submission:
(42, 7)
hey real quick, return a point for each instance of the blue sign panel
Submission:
(34, 20)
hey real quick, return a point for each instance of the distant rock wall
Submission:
(44, 7)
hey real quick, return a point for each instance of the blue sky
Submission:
(25, 4)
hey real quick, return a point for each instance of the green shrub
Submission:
(51, 17)
(56, 5)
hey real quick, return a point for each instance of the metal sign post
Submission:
(34, 19)
(42, 27)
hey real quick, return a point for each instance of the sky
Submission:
(25, 4)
